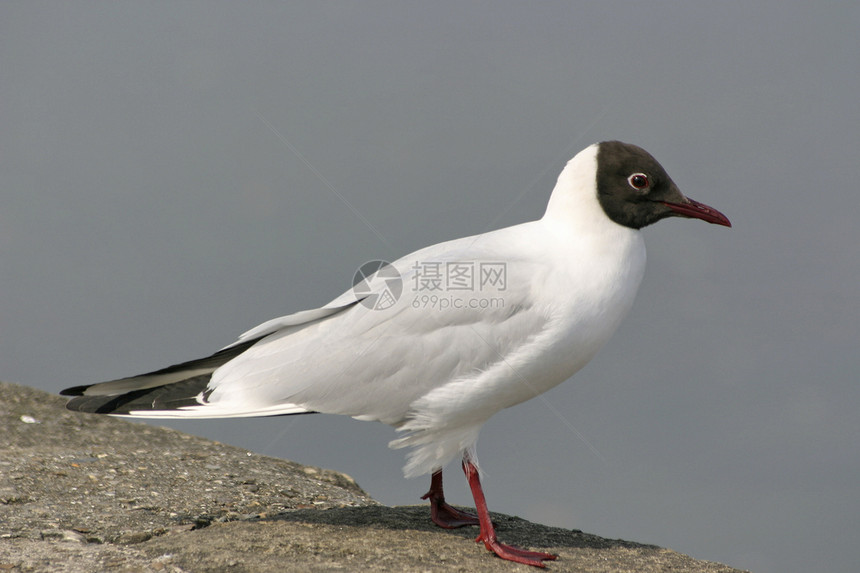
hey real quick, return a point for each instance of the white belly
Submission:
(597, 290)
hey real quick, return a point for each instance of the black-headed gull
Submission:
(443, 338)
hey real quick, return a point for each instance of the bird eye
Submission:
(639, 181)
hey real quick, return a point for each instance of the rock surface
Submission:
(84, 493)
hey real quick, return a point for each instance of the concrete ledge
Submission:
(90, 493)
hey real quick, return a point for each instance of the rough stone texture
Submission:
(91, 493)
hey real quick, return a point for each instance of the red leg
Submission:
(488, 533)
(441, 513)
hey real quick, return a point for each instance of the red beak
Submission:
(695, 210)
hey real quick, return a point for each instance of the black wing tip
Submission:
(75, 390)
(86, 404)
(120, 404)
(213, 361)
(173, 396)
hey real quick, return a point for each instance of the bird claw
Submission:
(442, 514)
(448, 516)
(515, 554)
(488, 531)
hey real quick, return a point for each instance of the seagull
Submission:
(441, 339)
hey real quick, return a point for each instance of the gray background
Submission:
(172, 174)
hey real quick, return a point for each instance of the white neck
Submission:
(574, 202)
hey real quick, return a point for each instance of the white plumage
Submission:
(436, 371)
(438, 374)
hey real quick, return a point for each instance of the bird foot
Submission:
(488, 531)
(448, 516)
(515, 554)
(441, 513)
